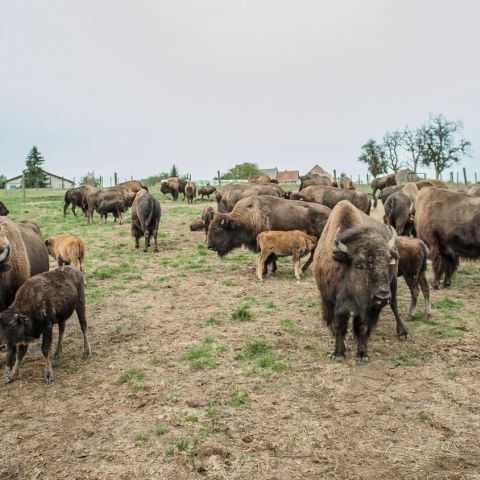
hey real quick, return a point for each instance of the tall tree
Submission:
(242, 171)
(34, 176)
(413, 145)
(442, 143)
(392, 143)
(174, 171)
(374, 156)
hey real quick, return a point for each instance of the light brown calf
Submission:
(278, 243)
(67, 249)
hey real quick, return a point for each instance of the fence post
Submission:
(476, 177)
(334, 174)
(457, 179)
(23, 186)
(359, 182)
(451, 177)
(465, 175)
(115, 178)
(368, 179)
(218, 177)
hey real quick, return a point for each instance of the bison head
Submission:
(370, 258)
(164, 187)
(3, 210)
(222, 235)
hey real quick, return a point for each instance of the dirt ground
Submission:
(199, 371)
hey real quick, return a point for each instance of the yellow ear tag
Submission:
(393, 261)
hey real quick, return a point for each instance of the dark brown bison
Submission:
(449, 223)
(113, 194)
(190, 191)
(380, 184)
(207, 190)
(115, 207)
(346, 183)
(412, 266)
(174, 186)
(146, 214)
(22, 255)
(399, 208)
(197, 225)
(355, 269)
(41, 302)
(233, 192)
(256, 214)
(3, 210)
(77, 197)
(387, 191)
(315, 179)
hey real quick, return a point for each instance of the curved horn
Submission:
(6, 251)
(338, 244)
(393, 240)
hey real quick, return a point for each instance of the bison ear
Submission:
(341, 257)
(226, 223)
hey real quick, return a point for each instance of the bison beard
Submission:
(355, 269)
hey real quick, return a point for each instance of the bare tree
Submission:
(442, 143)
(392, 143)
(413, 144)
(374, 156)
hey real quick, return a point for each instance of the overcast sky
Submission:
(135, 86)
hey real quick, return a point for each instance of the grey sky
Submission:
(135, 86)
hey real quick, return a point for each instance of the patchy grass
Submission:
(242, 314)
(129, 374)
(204, 355)
(239, 399)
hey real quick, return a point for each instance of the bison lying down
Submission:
(42, 301)
(355, 270)
(295, 243)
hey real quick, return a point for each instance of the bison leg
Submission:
(401, 331)
(65, 209)
(155, 233)
(147, 240)
(361, 330)
(414, 291)
(61, 331)
(46, 343)
(80, 309)
(296, 265)
(438, 266)
(339, 330)
(10, 359)
(261, 265)
(74, 208)
(451, 265)
(15, 372)
(426, 293)
(309, 261)
(374, 198)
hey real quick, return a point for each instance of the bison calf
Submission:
(67, 249)
(412, 267)
(42, 301)
(278, 243)
(115, 207)
(146, 214)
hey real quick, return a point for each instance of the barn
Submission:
(52, 181)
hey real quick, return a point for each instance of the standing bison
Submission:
(355, 269)
(77, 197)
(449, 223)
(233, 192)
(22, 255)
(380, 184)
(256, 214)
(146, 214)
(207, 190)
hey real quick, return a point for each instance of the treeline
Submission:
(438, 144)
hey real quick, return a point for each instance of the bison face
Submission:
(370, 259)
(3, 210)
(222, 236)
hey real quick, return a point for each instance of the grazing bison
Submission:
(380, 184)
(346, 183)
(207, 190)
(42, 301)
(449, 223)
(233, 192)
(355, 269)
(190, 191)
(412, 266)
(3, 210)
(77, 197)
(22, 255)
(278, 243)
(399, 209)
(115, 207)
(256, 214)
(67, 249)
(146, 214)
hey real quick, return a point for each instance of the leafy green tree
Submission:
(3, 179)
(242, 171)
(90, 179)
(34, 176)
(442, 143)
(173, 171)
(374, 156)
(392, 143)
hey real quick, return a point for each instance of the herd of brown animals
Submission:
(356, 259)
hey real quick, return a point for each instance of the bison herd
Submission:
(356, 258)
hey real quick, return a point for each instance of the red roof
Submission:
(287, 176)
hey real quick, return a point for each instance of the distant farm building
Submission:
(317, 169)
(271, 172)
(288, 176)
(51, 181)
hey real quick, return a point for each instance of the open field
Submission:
(199, 371)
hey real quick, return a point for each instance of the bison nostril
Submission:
(381, 297)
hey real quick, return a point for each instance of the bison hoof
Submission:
(56, 356)
(7, 370)
(335, 357)
(403, 336)
(362, 359)
(48, 380)
(87, 355)
(8, 380)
